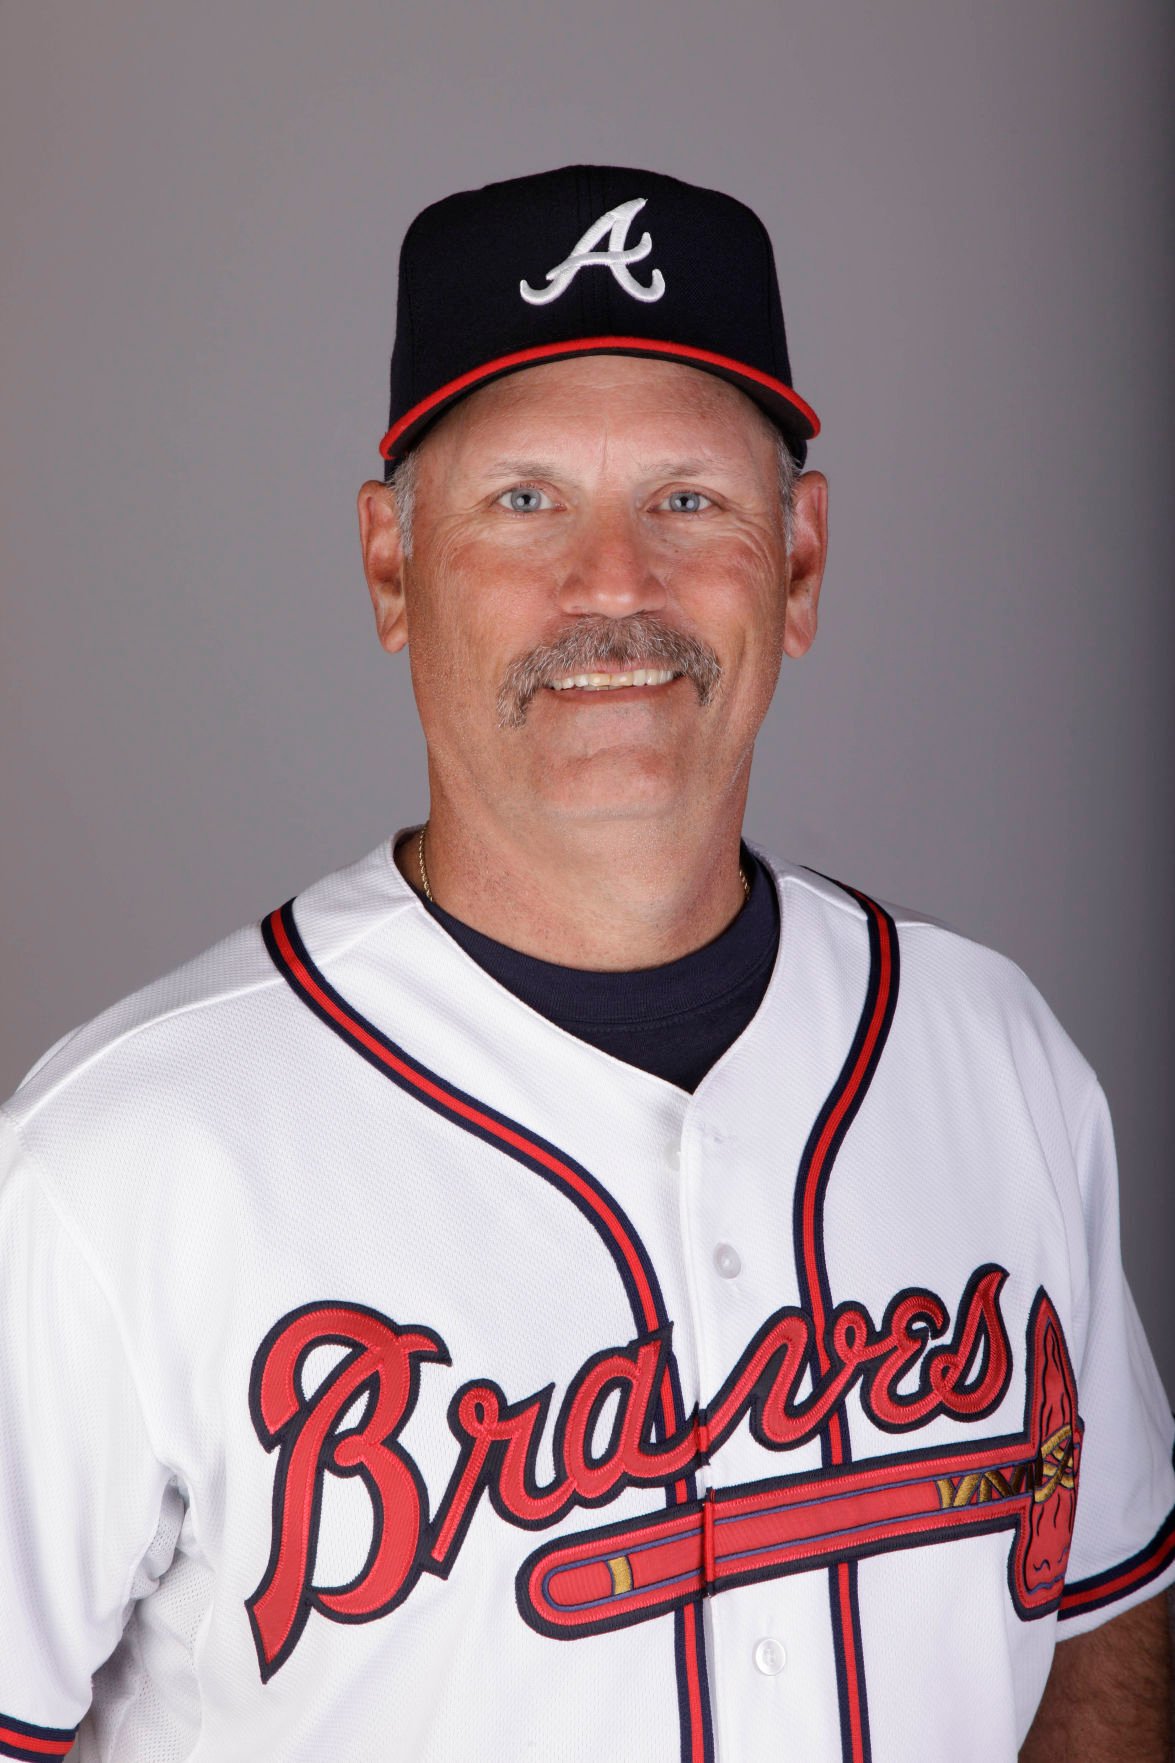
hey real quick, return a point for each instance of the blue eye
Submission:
(687, 501)
(524, 499)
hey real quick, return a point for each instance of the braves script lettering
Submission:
(349, 1425)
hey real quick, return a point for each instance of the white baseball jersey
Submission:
(387, 1373)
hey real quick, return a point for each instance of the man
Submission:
(571, 1284)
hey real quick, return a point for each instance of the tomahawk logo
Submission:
(617, 258)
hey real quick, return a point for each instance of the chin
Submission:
(611, 786)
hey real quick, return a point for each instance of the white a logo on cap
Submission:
(617, 258)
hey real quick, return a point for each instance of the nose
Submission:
(612, 571)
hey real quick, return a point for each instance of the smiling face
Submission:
(599, 593)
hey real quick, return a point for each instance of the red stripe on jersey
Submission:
(843, 1103)
(1105, 1588)
(19, 1740)
(484, 1122)
(857, 1720)
(696, 1740)
(690, 1618)
(851, 1085)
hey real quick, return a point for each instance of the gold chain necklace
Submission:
(423, 870)
(427, 891)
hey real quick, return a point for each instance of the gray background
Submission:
(201, 210)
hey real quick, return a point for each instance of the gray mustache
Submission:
(596, 645)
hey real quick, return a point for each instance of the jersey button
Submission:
(770, 1656)
(727, 1261)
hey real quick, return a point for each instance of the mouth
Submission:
(614, 682)
(638, 658)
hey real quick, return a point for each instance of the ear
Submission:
(383, 562)
(809, 550)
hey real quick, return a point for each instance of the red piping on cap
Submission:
(595, 345)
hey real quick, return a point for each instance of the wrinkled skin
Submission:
(603, 830)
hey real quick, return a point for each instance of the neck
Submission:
(615, 895)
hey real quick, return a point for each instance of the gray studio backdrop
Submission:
(201, 212)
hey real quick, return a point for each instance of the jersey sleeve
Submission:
(1124, 1536)
(81, 1491)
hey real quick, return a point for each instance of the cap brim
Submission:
(787, 410)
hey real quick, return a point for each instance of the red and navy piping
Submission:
(603, 1212)
(820, 1152)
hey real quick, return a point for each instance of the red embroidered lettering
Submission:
(905, 1380)
(382, 1367)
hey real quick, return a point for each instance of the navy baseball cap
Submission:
(586, 260)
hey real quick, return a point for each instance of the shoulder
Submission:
(161, 1054)
(963, 1005)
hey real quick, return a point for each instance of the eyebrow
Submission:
(520, 468)
(543, 468)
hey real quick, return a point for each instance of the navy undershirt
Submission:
(674, 1021)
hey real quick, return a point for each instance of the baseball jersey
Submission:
(675, 1020)
(386, 1372)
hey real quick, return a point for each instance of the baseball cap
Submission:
(586, 260)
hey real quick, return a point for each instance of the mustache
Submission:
(594, 645)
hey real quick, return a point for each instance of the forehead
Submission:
(596, 398)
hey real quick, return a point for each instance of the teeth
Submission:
(611, 682)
